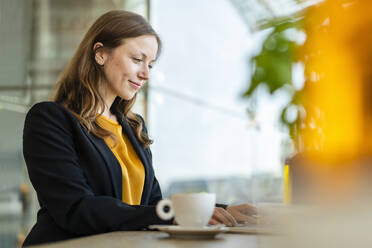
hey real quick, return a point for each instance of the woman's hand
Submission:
(221, 216)
(243, 213)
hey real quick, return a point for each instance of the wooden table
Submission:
(154, 239)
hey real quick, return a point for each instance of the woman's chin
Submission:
(127, 97)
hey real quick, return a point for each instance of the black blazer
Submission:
(78, 180)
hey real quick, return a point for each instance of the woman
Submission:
(87, 154)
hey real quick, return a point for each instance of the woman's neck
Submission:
(107, 113)
(108, 101)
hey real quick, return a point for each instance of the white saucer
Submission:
(175, 231)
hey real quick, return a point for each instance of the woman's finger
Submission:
(228, 216)
(249, 209)
(224, 217)
(245, 218)
(246, 209)
(213, 222)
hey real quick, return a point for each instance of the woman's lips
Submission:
(135, 84)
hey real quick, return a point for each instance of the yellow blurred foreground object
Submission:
(287, 193)
(338, 136)
(336, 81)
(332, 177)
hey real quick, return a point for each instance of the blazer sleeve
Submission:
(156, 194)
(62, 189)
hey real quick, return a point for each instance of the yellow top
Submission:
(131, 166)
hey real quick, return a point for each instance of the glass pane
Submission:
(204, 140)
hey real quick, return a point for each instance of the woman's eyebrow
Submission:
(145, 56)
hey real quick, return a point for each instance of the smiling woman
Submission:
(87, 153)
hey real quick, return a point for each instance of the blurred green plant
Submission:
(273, 66)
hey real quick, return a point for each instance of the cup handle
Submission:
(160, 209)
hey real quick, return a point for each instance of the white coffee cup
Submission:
(189, 209)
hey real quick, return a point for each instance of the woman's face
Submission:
(127, 66)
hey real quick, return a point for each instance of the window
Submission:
(204, 140)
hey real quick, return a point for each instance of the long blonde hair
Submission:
(77, 87)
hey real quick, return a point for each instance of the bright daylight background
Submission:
(204, 140)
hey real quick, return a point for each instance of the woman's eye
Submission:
(137, 60)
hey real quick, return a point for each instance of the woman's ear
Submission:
(99, 53)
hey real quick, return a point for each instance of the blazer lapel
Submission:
(111, 163)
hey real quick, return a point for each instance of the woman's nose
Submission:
(144, 73)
